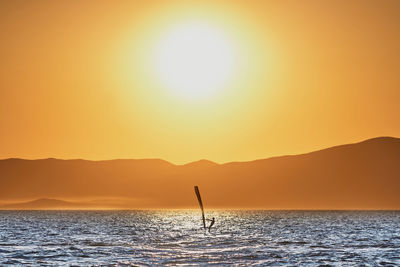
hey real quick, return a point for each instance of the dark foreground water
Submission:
(175, 238)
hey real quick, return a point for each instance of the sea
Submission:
(177, 237)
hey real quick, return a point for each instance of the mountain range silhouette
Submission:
(363, 175)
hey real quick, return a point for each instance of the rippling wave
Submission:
(176, 237)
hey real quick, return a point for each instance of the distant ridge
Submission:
(45, 203)
(382, 140)
(201, 163)
(364, 175)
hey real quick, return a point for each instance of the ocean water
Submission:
(148, 238)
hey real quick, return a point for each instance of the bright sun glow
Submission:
(195, 60)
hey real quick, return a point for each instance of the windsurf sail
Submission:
(196, 189)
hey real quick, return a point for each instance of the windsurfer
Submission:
(211, 224)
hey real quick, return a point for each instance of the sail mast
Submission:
(196, 189)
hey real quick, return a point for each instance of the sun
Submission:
(194, 60)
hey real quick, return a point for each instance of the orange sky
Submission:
(76, 82)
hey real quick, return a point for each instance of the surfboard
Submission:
(196, 190)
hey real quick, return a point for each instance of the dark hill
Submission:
(364, 175)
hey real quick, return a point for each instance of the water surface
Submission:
(145, 238)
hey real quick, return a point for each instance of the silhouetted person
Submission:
(211, 224)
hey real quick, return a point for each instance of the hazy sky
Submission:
(78, 80)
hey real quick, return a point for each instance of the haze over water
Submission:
(176, 237)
